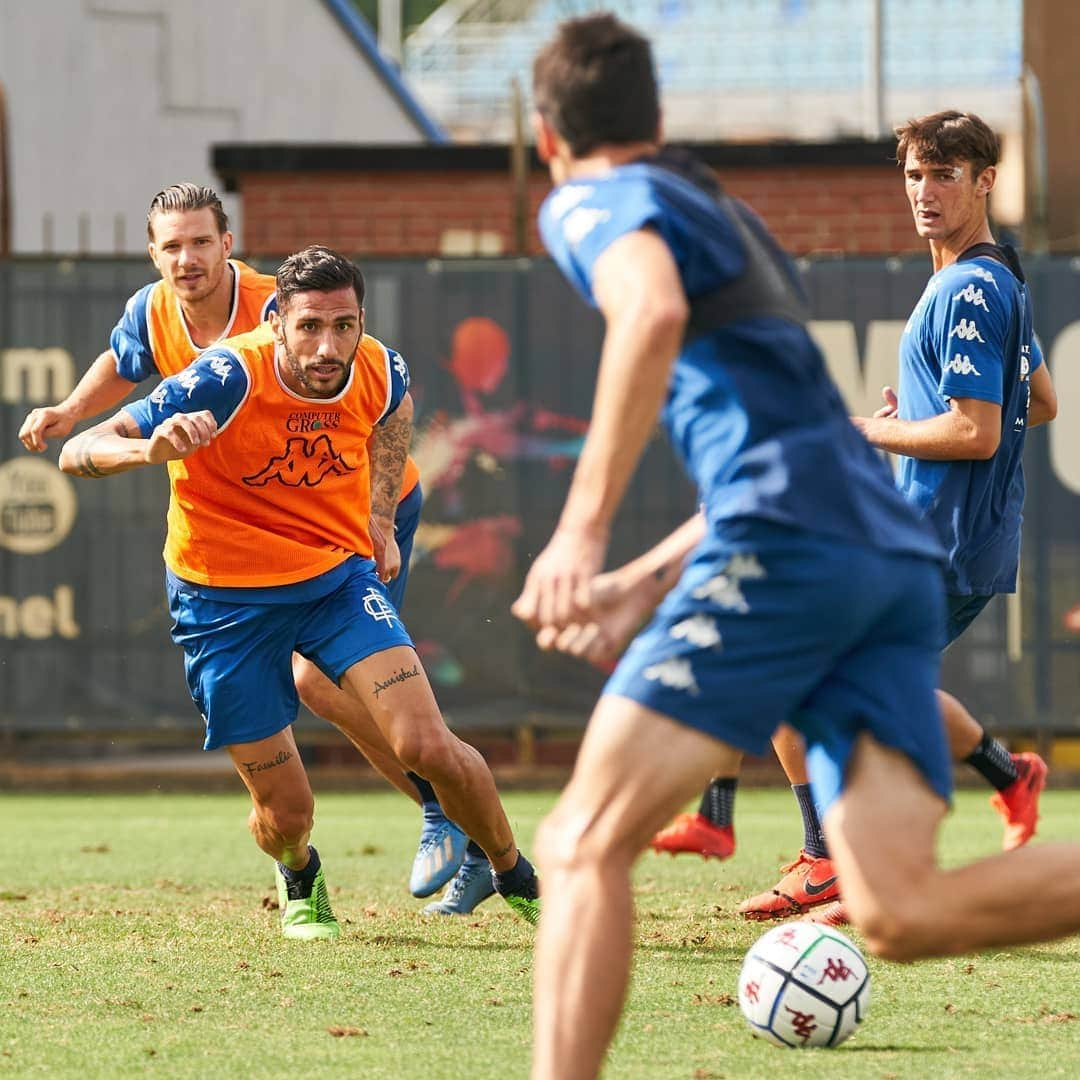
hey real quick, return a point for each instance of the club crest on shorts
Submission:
(378, 607)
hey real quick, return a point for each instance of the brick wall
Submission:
(423, 201)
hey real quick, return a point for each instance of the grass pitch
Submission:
(136, 940)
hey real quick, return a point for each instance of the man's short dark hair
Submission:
(945, 138)
(317, 269)
(180, 197)
(595, 84)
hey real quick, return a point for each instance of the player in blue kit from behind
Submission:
(796, 598)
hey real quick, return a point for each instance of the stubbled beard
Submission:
(302, 378)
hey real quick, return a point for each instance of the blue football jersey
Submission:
(970, 336)
(751, 411)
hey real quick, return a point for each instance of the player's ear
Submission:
(152, 251)
(984, 182)
(227, 243)
(361, 322)
(544, 136)
(274, 319)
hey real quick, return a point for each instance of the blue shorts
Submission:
(238, 656)
(406, 518)
(768, 624)
(961, 612)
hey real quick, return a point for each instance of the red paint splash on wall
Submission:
(479, 355)
(478, 549)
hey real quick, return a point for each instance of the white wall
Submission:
(111, 100)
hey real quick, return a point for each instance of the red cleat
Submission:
(1018, 804)
(834, 914)
(807, 883)
(695, 834)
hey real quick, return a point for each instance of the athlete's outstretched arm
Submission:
(969, 431)
(101, 388)
(637, 287)
(388, 448)
(621, 601)
(117, 445)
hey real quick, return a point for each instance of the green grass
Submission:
(135, 940)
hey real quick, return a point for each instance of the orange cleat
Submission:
(1018, 804)
(834, 914)
(807, 883)
(695, 834)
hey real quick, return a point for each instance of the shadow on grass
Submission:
(901, 1048)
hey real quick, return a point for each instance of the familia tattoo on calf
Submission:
(261, 766)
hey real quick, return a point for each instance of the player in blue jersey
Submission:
(203, 296)
(969, 365)
(795, 600)
(972, 382)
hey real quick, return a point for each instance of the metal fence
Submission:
(503, 358)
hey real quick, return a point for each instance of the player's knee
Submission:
(427, 749)
(897, 928)
(288, 819)
(572, 839)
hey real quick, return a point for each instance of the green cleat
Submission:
(528, 907)
(309, 918)
(520, 888)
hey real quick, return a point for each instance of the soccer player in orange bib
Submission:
(202, 297)
(269, 553)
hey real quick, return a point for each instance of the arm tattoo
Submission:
(389, 448)
(84, 462)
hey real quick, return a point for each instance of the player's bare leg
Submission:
(881, 833)
(353, 720)
(442, 846)
(1018, 779)
(810, 881)
(283, 808)
(394, 687)
(283, 811)
(635, 768)
(961, 728)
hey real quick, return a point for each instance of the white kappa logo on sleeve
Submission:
(966, 330)
(962, 365)
(969, 294)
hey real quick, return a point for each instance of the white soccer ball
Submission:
(803, 984)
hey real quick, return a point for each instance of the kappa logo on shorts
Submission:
(675, 674)
(378, 607)
(723, 589)
(303, 463)
(699, 630)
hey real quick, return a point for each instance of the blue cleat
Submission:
(440, 854)
(470, 887)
